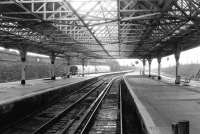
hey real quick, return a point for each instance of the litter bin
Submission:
(178, 79)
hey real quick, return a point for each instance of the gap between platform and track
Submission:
(150, 126)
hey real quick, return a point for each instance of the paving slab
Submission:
(167, 103)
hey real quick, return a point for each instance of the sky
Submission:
(186, 57)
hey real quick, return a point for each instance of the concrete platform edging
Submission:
(146, 120)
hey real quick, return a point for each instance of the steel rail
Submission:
(84, 87)
(89, 114)
(44, 127)
(91, 117)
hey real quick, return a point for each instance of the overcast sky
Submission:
(186, 57)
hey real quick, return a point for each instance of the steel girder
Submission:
(54, 24)
(100, 28)
(154, 27)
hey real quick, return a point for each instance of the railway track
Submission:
(105, 119)
(66, 114)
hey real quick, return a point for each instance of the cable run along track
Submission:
(65, 115)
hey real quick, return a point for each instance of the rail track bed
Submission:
(108, 116)
(114, 114)
(95, 108)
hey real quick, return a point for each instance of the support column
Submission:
(23, 66)
(149, 61)
(52, 66)
(67, 68)
(143, 71)
(159, 67)
(83, 70)
(177, 56)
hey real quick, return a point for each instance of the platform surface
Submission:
(12, 91)
(167, 103)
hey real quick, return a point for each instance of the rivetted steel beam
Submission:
(25, 1)
(140, 16)
(17, 2)
(118, 16)
(103, 23)
(69, 5)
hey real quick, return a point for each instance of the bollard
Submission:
(178, 79)
(174, 128)
(181, 127)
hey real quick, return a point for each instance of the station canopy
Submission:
(100, 28)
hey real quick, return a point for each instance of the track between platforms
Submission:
(105, 118)
(66, 112)
(109, 112)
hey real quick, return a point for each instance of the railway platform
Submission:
(54, 111)
(12, 91)
(18, 100)
(161, 104)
